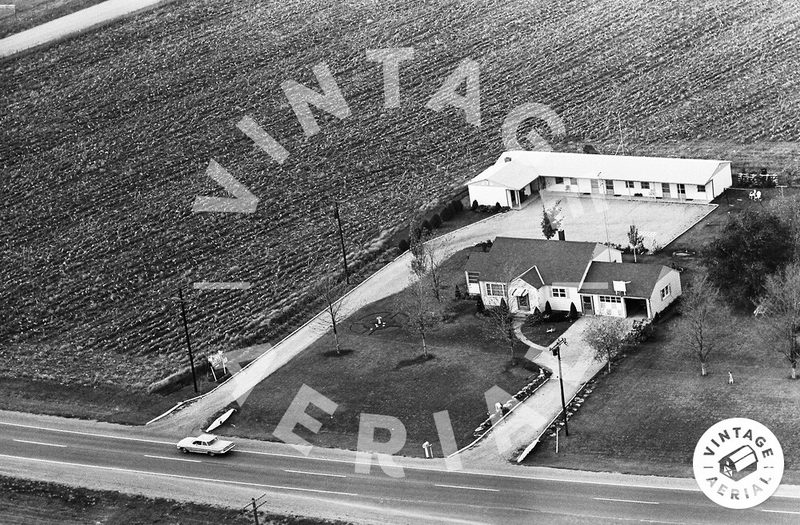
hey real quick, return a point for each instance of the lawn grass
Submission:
(384, 374)
(538, 332)
(111, 403)
(647, 416)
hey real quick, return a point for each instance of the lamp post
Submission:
(556, 349)
(188, 341)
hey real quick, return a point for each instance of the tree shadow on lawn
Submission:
(344, 352)
(414, 361)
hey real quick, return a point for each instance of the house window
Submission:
(665, 292)
(645, 185)
(472, 277)
(629, 184)
(681, 189)
(573, 181)
(559, 292)
(609, 185)
(610, 299)
(665, 188)
(559, 180)
(701, 188)
(496, 289)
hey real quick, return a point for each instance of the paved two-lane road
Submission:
(327, 484)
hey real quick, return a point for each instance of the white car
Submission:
(205, 444)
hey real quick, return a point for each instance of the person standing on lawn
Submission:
(730, 377)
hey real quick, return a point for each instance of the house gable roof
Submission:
(640, 279)
(525, 166)
(554, 262)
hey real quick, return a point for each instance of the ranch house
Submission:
(530, 273)
(518, 175)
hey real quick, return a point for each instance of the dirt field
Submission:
(39, 503)
(30, 13)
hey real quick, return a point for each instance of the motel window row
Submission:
(629, 184)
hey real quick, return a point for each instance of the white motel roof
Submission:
(515, 169)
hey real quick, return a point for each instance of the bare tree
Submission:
(781, 307)
(703, 324)
(331, 290)
(500, 326)
(606, 336)
(426, 264)
(635, 240)
(424, 313)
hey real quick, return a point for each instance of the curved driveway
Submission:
(583, 220)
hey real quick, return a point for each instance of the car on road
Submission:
(205, 444)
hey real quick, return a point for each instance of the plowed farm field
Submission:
(106, 139)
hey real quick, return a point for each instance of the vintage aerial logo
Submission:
(738, 463)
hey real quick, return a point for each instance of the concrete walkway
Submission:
(533, 417)
(73, 24)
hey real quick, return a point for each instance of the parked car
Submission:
(205, 444)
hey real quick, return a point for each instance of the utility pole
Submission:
(255, 511)
(341, 240)
(605, 216)
(557, 353)
(188, 341)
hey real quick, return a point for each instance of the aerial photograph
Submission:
(334, 262)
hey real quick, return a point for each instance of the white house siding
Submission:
(673, 279)
(721, 180)
(490, 300)
(584, 186)
(488, 195)
(560, 303)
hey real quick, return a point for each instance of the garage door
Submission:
(611, 305)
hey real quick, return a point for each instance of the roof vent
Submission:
(507, 159)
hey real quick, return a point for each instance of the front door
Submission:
(587, 304)
(523, 303)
